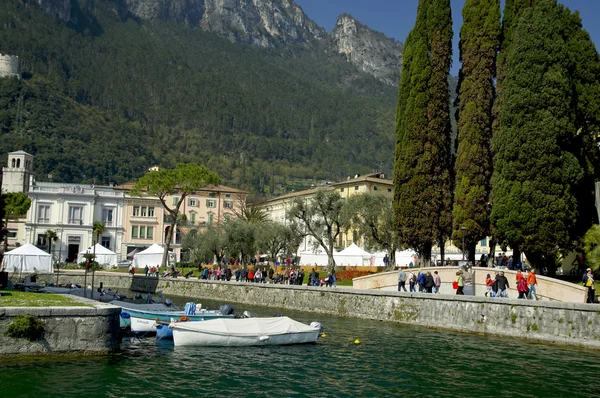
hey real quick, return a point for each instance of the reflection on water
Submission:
(392, 360)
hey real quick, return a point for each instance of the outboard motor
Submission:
(226, 309)
(247, 314)
(138, 296)
(168, 302)
(317, 325)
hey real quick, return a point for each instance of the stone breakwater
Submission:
(67, 330)
(565, 323)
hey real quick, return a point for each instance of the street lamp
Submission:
(463, 229)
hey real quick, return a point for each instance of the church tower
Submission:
(17, 176)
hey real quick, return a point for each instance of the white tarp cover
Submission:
(248, 326)
(104, 256)
(152, 256)
(26, 258)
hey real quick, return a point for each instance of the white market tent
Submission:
(403, 258)
(353, 255)
(152, 256)
(27, 258)
(318, 256)
(104, 256)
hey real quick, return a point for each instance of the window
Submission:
(341, 189)
(11, 233)
(107, 217)
(105, 241)
(228, 204)
(76, 215)
(149, 232)
(375, 188)
(41, 240)
(210, 219)
(136, 211)
(389, 189)
(44, 214)
(134, 232)
(211, 203)
(150, 211)
(484, 242)
(144, 211)
(193, 202)
(227, 195)
(356, 187)
(142, 232)
(192, 218)
(175, 200)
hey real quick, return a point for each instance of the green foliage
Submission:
(479, 42)
(422, 178)
(536, 168)
(591, 246)
(276, 239)
(372, 216)
(25, 326)
(16, 204)
(206, 244)
(320, 217)
(145, 93)
(240, 236)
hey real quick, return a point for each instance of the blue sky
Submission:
(396, 18)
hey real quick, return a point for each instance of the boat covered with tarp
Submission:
(244, 332)
(144, 321)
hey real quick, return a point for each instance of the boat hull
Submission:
(191, 338)
(145, 321)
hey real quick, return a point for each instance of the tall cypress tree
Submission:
(479, 42)
(536, 170)
(422, 180)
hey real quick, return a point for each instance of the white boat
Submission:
(244, 332)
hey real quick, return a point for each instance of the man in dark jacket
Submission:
(429, 283)
(502, 285)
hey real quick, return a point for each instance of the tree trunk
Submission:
(330, 260)
(516, 255)
(85, 281)
(168, 243)
(425, 255)
(442, 251)
(471, 247)
(492, 250)
(392, 263)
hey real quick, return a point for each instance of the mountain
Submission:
(370, 51)
(125, 93)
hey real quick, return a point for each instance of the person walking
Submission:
(503, 285)
(460, 282)
(437, 282)
(411, 282)
(522, 288)
(488, 286)
(531, 282)
(421, 281)
(402, 280)
(429, 283)
(588, 281)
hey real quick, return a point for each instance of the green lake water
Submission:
(391, 361)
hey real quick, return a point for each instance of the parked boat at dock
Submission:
(143, 321)
(244, 332)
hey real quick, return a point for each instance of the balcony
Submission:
(75, 221)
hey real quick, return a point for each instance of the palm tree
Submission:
(98, 229)
(51, 236)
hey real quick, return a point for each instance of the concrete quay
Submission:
(549, 321)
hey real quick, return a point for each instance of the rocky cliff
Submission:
(370, 51)
(260, 22)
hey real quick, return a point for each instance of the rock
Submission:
(370, 51)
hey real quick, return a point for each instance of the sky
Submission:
(396, 18)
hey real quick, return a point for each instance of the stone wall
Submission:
(67, 330)
(567, 323)
(547, 288)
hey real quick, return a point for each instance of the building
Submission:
(17, 176)
(9, 66)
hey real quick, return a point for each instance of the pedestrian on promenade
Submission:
(522, 288)
(333, 278)
(519, 276)
(412, 279)
(488, 286)
(460, 282)
(421, 281)
(503, 285)
(532, 281)
(146, 270)
(437, 281)
(588, 281)
(402, 280)
(429, 283)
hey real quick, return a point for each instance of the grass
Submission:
(10, 298)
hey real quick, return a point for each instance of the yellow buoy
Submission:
(323, 335)
(357, 341)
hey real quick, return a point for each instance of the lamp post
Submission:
(463, 229)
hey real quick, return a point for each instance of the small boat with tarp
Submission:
(143, 321)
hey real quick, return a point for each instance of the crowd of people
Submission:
(424, 282)
(290, 275)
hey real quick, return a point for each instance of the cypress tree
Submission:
(536, 170)
(479, 41)
(422, 180)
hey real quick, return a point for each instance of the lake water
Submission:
(391, 361)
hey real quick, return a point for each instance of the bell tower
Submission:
(17, 176)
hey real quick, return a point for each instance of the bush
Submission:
(25, 326)
(348, 275)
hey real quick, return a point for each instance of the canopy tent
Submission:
(133, 253)
(354, 255)
(312, 257)
(27, 258)
(403, 258)
(152, 256)
(104, 256)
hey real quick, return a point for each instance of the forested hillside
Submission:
(106, 96)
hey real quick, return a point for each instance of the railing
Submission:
(77, 190)
(75, 221)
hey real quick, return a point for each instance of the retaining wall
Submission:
(67, 330)
(567, 323)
